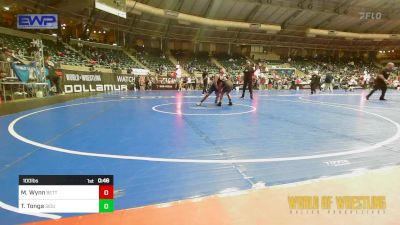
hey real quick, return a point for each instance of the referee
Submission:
(248, 79)
(381, 81)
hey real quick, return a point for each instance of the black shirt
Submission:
(328, 78)
(248, 73)
(385, 73)
(315, 79)
(204, 75)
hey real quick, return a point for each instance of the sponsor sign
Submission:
(37, 21)
(82, 77)
(77, 82)
(125, 79)
(78, 88)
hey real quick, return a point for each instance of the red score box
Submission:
(106, 192)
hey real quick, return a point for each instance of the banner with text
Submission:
(78, 81)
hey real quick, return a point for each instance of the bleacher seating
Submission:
(15, 43)
(337, 67)
(195, 62)
(233, 64)
(22, 47)
(109, 58)
(154, 59)
(61, 54)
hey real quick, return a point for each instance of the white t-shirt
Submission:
(178, 73)
(257, 72)
(367, 76)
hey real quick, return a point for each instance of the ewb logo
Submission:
(37, 21)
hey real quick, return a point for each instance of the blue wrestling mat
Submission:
(161, 147)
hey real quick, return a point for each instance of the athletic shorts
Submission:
(379, 84)
(212, 89)
(228, 86)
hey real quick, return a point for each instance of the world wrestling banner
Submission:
(77, 81)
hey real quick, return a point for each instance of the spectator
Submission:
(329, 82)
(315, 83)
(205, 80)
(54, 79)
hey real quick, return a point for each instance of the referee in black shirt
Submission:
(381, 81)
(248, 79)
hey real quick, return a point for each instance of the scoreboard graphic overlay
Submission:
(66, 193)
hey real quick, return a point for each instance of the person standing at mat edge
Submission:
(52, 77)
(328, 83)
(205, 80)
(248, 79)
(315, 82)
(381, 81)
